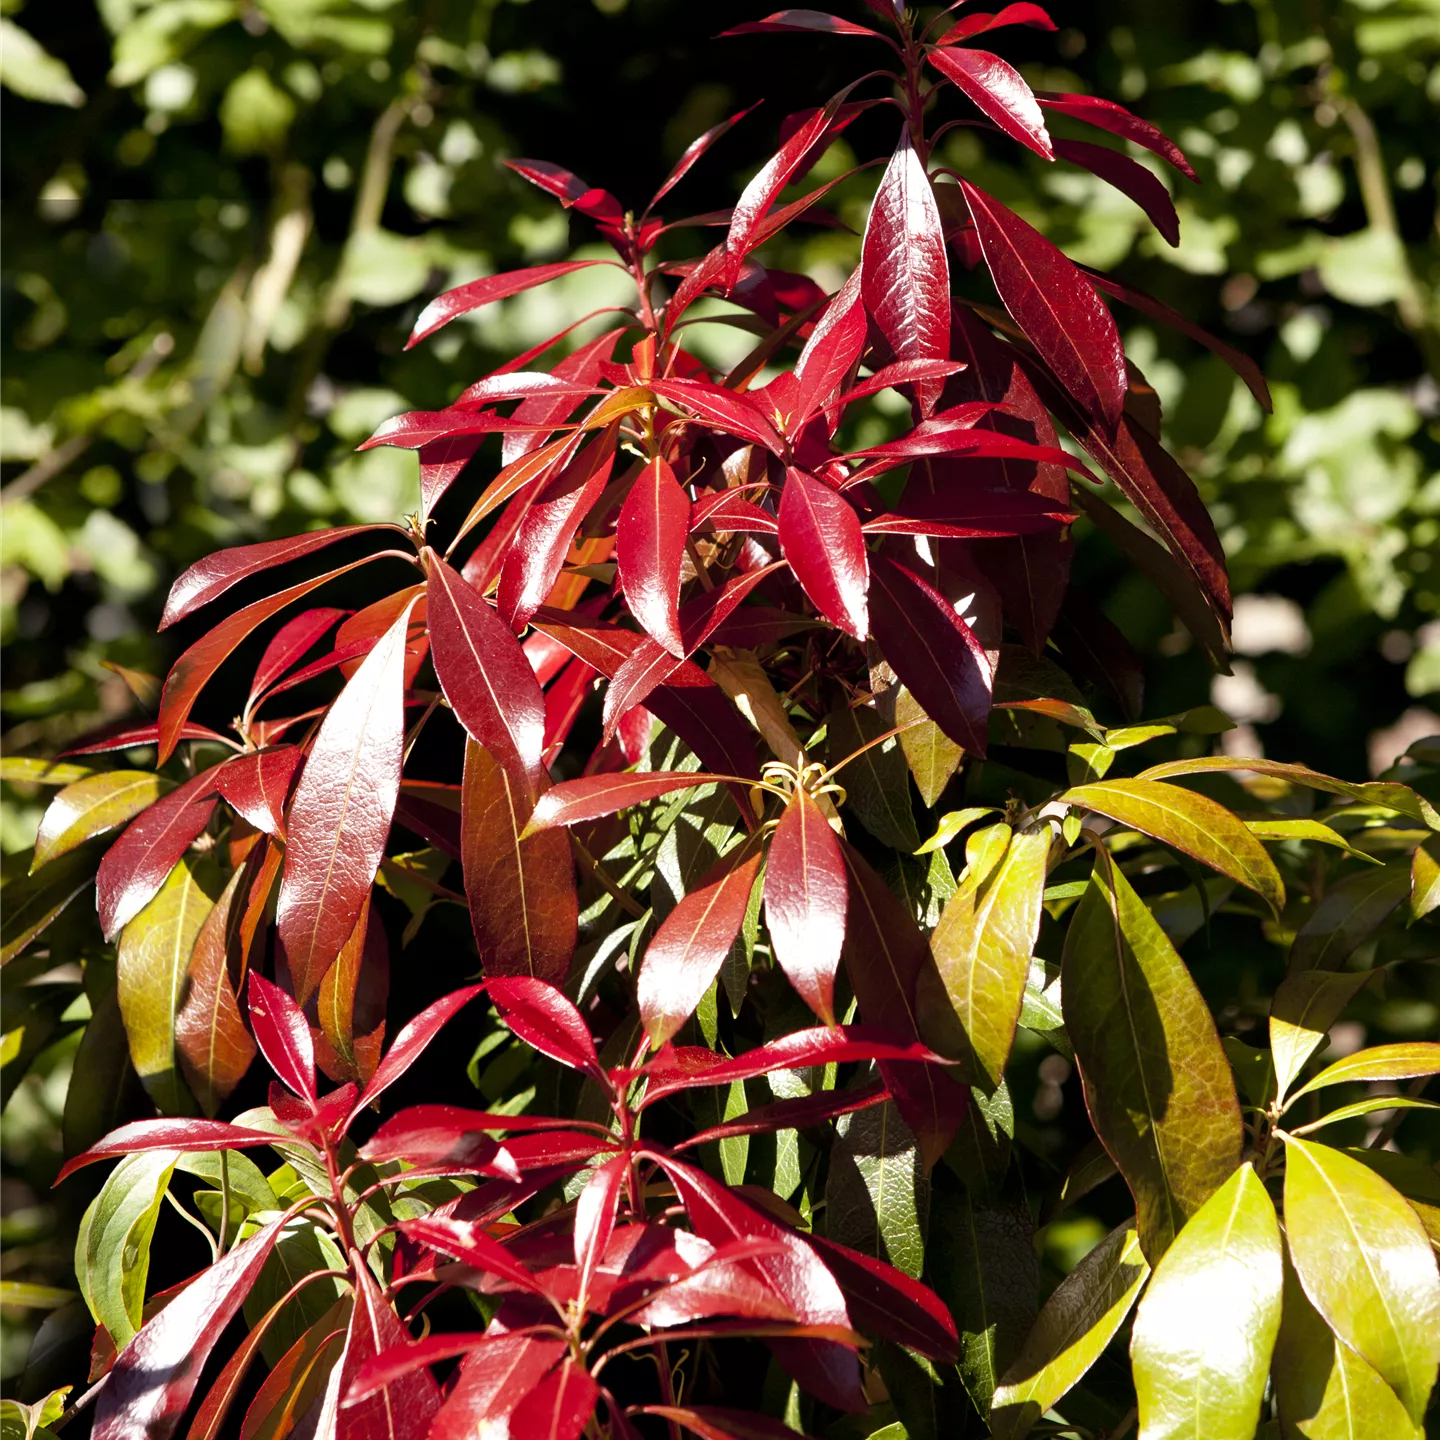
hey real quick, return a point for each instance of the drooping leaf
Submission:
(1366, 1264)
(544, 1018)
(340, 816)
(410, 1043)
(933, 757)
(1305, 1006)
(520, 888)
(1208, 1378)
(1107, 115)
(999, 91)
(283, 1034)
(821, 538)
(93, 805)
(650, 549)
(1157, 1083)
(1077, 1322)
(1350, 913)
(183, 1136)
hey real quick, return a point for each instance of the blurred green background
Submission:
(221, 217)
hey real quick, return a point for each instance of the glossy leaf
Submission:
(805, 902)
(1305, 1006)
(491, 1382)
(572, 802)
(1380, 1062)
(559, 1407)
(520, 887)
(1349, 914)
(546, 1020)
(650, 548)
(1157, 1083)
(1366, 1264)
(257, 785)
(283, 1034)
(465, 298)
(998, 91)
(877, 1190)
(1130, 178)
(410, 1043)
(800, 20)
(93, 805)
(692, 152)
(970, 1002)
(485, 675)
(341, 812)
(906, 276)
(1207, 1377)
(1107, 115)
(1076, 1324)
(1190, 822)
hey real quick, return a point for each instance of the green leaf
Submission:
(243, 1180)
(1381, 1062)
(1349, 914)
(1192, 823)
(28, 69)
(982, 1265)
(1207, 1323)
(980, 1152)
(104, 1090)
(1269, 829)
(92, 806)
(27, 770)
(970, 1002)
(933, 757)
(1365, 1262)
(302, 1249)
(1366, 1107)
(951, 825)
(1325, 1391)
(1425, 879)
(31, 902)
(1156, 1079)
(151, 961)
(1305, 1006)
(876, 783)
(877, 1198)
(112, 1250)
(1078, 1321)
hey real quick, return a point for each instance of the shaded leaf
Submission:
(875, 783)
(821, 538)
(1305, 1006)
(1351, 912)
(877, 1194)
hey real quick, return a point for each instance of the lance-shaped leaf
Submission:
(1349, 914)
(1190, 822)
(1130, 178)
(151, 962)
(1366, 1263)
(350, 1003)
(545, 1019)
(799, 21)
(933, 651)
(152, 1381)
(181, 1134)
(1323, 1389)
(804, 1111)
(692, 152)
(1157, 1083)
(569, 189)
(650, 549)
(595, 1212)
(283, 1034)
(340, 816)
(491, 1382)
(572, 802)
(560, 1406)
(1305, 1006)
(485, 675)
(214, 1046)
(691, 944)
(410, 1043)
(291, 642)
(93, 805)
(301, 1378)
(875, 778)
(906, 277)
(401, 1410)
(1054, 304)
(1208, 1319)
(831, 352)
(521, 889)
(877, 1191)
(136, 865)
(467, 1242)
(970, 1002)
(465, 298)
(1107, 115)
(999, 92)
(1077, 1323)
(1021, 13)
(257, 785)
(1381, 1062)
(805, 902)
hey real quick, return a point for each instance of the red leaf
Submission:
(581, 367)
(290, 643)
(438, 1134)
(570, 190)
(559, 1407)
(934, 652)
(595, 1211)
(519, 385)
(127, 737)
(410, 1043)
(797, 1114)
(820, 537)
(693, 151)
(417, 429)
(340, 816)
(468, 1243)
(546, 1021)
(1130, 178)
(190, 672)
(972, 514)
(650, 549)
(805, 902)
(1054, 305)
(718, 1286)
(692, 943)
(1017, 14)
(441, 462)
(390, 1365)
(803, 20)
(283, 1035)
(520, 888)
(184, 1135)
(135, 866)
(573, 801)
(491, 1382)
(211, 577)
(906, 278)
(887, 1302)
(728, 411)
(830, 354)
(258, 784)
(465, 298)
(485, 675)
(998, 90)
(902, 372)
(150, 1384)
(403, 1409)
(1107, 115)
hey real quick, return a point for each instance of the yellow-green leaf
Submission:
(1425, 879)
(28, 770)
(878, 1195)
(31, 902)
(1366, 1107)
(933, 757)
(1366, 1263)
(1306, 830)
(970, 1002)
(92, 806)
(1207, 1323)
(1324, 1390)
(1305, 1006)
(1402, 1061)
(1348, 915)
(1156, 1080)
(1192, 823)
(951, 825)
(1078, 1321)
(151, 963)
